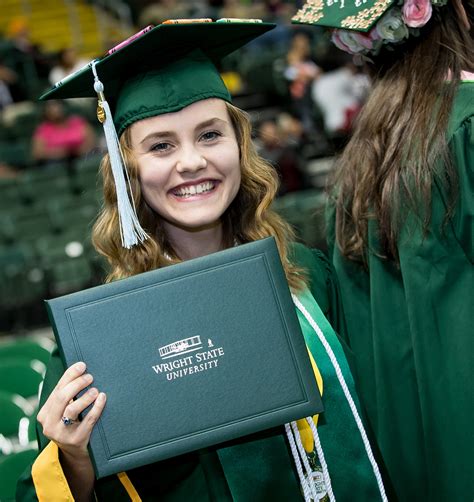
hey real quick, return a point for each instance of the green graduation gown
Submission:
(411, 332)
(257, 468)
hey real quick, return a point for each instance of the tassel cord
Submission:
(298, 465)
(322, 459)
(304, 458)
(131, 232)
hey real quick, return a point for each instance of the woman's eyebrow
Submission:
(211, 122)
(158, 135)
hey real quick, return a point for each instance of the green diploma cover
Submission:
(190, 356)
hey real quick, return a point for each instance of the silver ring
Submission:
(67, 421)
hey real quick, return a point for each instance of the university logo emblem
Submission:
(181, 347)
(181, 363)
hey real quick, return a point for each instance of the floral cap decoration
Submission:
(363, 27)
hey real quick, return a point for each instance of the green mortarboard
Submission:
(358, 15)
(177, 60)
(163, 70)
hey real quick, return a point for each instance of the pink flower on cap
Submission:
(351, 41)
(416, 13)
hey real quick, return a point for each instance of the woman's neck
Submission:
(466, 75)
(193, 244)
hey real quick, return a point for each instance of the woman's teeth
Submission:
(191, 190)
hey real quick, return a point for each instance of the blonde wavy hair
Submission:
(248, 218)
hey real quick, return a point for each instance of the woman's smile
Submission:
(188, 192)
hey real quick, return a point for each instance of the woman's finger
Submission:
(74, 408)
(60, 398)
(85, 427)
(71, 374)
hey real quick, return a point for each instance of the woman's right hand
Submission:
(72, 439)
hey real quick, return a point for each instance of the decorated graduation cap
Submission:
(363, 27)
(350, 14)
(160, 70)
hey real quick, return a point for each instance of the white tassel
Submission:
(131, 232)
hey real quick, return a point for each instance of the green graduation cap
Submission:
(358, 15)
(160, 70)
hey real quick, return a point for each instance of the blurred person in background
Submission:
(7, 171)
(24, 57)
(401, 231)
(291, 130)
(339, 94)
(278, 10)
(234, 9)
(281, 151)
(60, 136)
(8, 79)
(300, 73)
(157, 12)
(68, 62)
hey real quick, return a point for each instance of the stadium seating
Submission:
(27, 349)
(305, 213)
(11, 468)
(21, 377)
(14, 407)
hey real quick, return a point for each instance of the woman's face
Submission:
(54, 111)
(189, 164)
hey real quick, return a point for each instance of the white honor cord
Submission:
(299, 467)
(322, 459)
(347, 394)
(304, 458)
(131, 231)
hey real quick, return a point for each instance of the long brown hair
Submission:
(248, 218)
(388, 167)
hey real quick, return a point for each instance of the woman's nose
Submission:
(190, 160)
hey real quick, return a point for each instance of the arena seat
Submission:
(27, 349)
(14, 407)
(11, 468)
(64, 258)
(21, 377)
(304, 211)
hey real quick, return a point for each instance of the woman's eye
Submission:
(160, 147)
(210, 135)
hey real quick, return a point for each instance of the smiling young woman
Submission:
(246, 217)
(199, 187)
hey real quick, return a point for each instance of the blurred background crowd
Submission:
(301, 93)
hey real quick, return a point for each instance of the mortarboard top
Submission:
(199, 46)
(359, 15)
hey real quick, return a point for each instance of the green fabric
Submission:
(168, 89)
(349, 15)
(257, 468)
(410, 329)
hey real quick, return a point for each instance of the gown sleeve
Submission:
(462, 150)
(324, 286)
(45, 479)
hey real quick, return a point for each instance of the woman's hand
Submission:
(73, 438)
